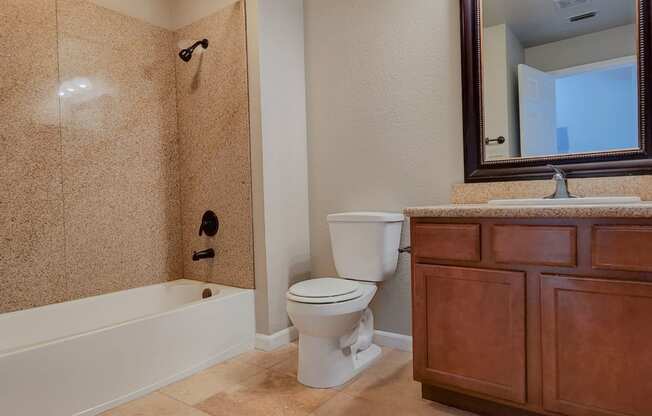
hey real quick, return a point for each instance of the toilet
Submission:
(332, 314)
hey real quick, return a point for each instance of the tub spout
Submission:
(205, 254)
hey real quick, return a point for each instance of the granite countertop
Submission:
(638, 210)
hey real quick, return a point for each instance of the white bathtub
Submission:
(86, 356)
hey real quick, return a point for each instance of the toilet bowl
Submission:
(332, 314)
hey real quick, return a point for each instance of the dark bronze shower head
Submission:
(186, 54)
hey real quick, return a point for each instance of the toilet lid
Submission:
(325, 290)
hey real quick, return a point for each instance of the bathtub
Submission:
(86, 356)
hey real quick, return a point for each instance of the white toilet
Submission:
(331, 314)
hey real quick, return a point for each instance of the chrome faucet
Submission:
(561, 184)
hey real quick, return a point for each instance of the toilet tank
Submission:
(365, 244)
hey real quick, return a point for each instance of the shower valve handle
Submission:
(210, 224)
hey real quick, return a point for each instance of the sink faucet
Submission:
(561, 184)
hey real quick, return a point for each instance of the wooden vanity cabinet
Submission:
(475, 319)
(534, 317)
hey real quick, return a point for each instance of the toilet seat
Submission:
(325, 290)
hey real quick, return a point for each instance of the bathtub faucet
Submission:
(205, 254)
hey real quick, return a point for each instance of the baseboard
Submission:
(276, 340)
(223, 356)
(392, 340)
(286, 336)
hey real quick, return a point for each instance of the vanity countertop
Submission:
(641, 210)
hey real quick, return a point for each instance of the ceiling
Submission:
(168, 14)
(536, 22)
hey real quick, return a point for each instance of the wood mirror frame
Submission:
(611, 163)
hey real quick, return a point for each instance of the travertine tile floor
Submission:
(260, 383)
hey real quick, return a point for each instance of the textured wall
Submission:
(384, 119)
(88, 178)
(32, 261)
(90, 169)
(121, 193)
(213, 138)
(90, 198)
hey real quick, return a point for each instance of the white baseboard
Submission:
(276, 340)
(392, 340)
(286, 336)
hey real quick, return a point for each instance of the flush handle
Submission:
(405, 250)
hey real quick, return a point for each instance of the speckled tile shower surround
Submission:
(102, 188)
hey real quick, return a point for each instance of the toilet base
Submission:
(324, 364)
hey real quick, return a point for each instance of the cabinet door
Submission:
(469, 330)
(597, 347)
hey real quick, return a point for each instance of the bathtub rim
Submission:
(232, 292)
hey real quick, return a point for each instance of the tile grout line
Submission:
(178, 167)
(66, 272)
(235, 359)
(337, 393)
(179, 401)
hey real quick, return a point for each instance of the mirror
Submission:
(559, 78)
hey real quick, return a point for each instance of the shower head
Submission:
(186, 54)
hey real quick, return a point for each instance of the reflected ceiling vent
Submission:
(567, 4)
(583, 16)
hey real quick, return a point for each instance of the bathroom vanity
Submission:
(542, 310)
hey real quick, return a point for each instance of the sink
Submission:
(606, 200)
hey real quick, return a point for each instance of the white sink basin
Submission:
(607, 200)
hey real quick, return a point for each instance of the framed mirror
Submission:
(560, 82)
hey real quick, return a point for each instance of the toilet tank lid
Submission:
(366, 217)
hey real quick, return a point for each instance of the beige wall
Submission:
(89, 196)
(283, 157)
(384, 119)
(213, 136)
(257, 184)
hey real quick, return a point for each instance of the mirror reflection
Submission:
(559, 77)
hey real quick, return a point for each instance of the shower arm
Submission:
(203, 43)
(186, 54)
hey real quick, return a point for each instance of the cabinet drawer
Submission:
(535, 244)
(453, 242)
(626, 248)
